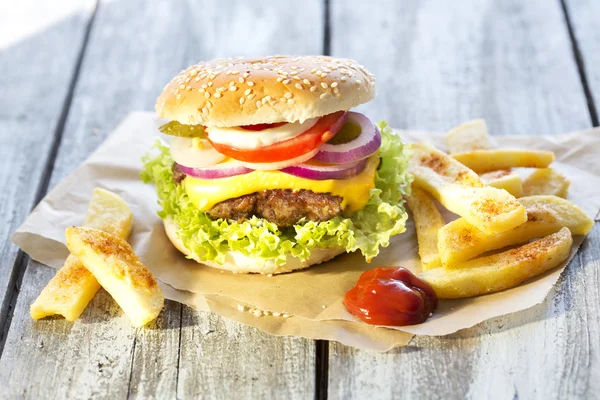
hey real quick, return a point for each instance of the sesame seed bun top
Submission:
(248, 91)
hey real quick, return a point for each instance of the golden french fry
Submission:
(428, 221)
(461, 191)
(119, 271)
(468, 136)
(500, 271)
(72, 288)
(490, 160)
(546, 181)
(504, 179)
(459, 241)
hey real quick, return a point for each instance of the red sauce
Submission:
(262, 127)
(391, 296)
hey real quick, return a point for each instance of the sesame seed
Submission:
(279, 79)
(299, 86)
(297, 78)
(336, 90)
(187, 80)
(293, 67)
(257, 313)
(286, 81)
(286, 315)
(207, 95)
(204, 110)
(210, 84)
(268, 98)
(245, 74)
(192, 72)
(313, 70)
(241, 307)
(290, 101)
(221, 89)
(313, 88)
(288, 95)
(201, 90)
(208, 104)
(324, 85)
(250, 96)
(323, 95)
(294, 73)
(188, 88)
(204, 86)
(231, 83)
(358, 81)
(242, 100)
(276, 314)
(247, 92)
(197, 79)
(178, 96)
(264, 100)
(306, 82)
(182, 86)
(258, 104)
(233, 88)
(250, 83)
(334, 84)
(282, 100)
(218, 94)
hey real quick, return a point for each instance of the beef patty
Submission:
(283, 207)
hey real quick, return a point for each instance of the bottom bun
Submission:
(238, 262)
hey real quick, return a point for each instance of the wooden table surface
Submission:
(70, 70)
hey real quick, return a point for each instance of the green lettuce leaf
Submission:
(366, 230)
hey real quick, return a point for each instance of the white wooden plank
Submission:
(134, 49)
(438, 63)
(34, 83)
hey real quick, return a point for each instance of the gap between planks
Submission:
(18, 270)
(589, 97)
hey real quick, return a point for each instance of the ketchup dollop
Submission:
(391, 296)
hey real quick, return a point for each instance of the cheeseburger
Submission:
(268, 170)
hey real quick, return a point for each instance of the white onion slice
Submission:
(222, 170)
(185, 153)
(245, 139)
(365, 144)
(322, 172)
(281, 164)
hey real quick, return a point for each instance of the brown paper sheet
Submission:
(312, 297)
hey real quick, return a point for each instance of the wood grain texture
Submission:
(213, 350)
(135, 48)
(34, 84)
(437, 64)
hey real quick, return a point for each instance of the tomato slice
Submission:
(321, 132)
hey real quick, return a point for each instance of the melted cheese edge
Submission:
(355, 192)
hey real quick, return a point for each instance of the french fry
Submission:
(504, 179)
(73, 287)
(459, 241)
(428, 221)
(546, 181)
(461, 191)
(491, 160)
(119, 271)
(500, 271)
(468, 136)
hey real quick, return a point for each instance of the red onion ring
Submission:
(366, 144)
(323, 172)
(217, 171)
